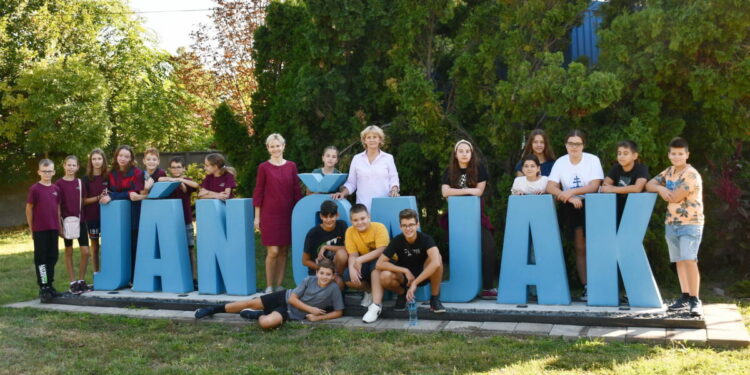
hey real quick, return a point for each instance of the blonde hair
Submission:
(372, 129)
(151, 151)
(275, 137)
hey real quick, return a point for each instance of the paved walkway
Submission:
(725, 327)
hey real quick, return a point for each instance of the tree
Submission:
(85, 68)
(232, 138)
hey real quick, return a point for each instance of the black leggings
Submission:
(45, 256)
(489, 260)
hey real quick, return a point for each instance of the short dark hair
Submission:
(329, 208)
(357, 208)
(679, 142)
(632, 146)
(45, 163)
(408, 213)
(326, 263)
(177, 159)
(531, 157)
(576, 133)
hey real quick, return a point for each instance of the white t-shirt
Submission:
(522, 185)
(571, 176)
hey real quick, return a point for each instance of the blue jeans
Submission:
(683, 241)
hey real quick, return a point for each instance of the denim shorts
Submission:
(683, 241)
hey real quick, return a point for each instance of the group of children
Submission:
(70, 207)
(362, 256)
(578, 173)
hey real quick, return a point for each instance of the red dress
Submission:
(277, 190)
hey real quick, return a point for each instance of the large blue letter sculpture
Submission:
(465, 232)
(608, 247)
(306, 214)
(226, 247)
(163, 262)
(116, 268)
(535, 213)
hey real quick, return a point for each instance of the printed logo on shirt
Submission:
(54, 193)
(624, 181)
(576, 183)
(371, 245)
(412, 252)
(221, 184)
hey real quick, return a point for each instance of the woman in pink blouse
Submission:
(372, 173)
(277, 190)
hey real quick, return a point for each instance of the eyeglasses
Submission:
(47, 172)
(180, 167)
(409, 226)
(574, 144)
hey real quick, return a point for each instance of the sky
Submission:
(172, 21)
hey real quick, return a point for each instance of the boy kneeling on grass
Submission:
(309, 300)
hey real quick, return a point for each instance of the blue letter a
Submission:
(163, 262)
(226, 246)
(537, 214)
(608, 247)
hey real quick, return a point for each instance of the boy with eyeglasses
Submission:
(411, 260)
(43, 217)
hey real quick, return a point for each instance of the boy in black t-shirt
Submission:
(417, 262)
(626, 176)
(326, 241)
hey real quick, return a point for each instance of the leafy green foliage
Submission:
(231, 137)
(78, 74)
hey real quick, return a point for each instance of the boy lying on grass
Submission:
(315, 298)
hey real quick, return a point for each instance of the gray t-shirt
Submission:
(312, 294)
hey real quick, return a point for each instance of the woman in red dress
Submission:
(277, 190)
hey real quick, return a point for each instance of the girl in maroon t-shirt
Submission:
(72, 192)
(219, 180)
(126, 183)
(95, 184)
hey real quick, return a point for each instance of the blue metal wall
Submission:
(583, 38)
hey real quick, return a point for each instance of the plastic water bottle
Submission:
(412, 307)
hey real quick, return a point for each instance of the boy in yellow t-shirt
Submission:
(365, 241)
(682, 188)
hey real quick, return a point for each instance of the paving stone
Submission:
(425, 325)
(687, 335)
(461, 326)
(336, 322)
(566, 331)
(358, 323)
(393, 324)
(18, 305)
(533, 329)
(499, 327)
(647, 335)
(607, 333)
(736, 338)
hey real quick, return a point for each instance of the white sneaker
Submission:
(278, 288)
(366, 299)
(269, 290)
(373, 312)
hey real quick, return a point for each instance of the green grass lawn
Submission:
(41, 342)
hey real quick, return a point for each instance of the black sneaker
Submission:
(681, 303)
(585, 294)
(251, 314)
(74, 288)
(203, 312)
(45, 294)
(436, 306)
(83, 287)
(54, 291)
(400, 303)
(696, 307)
